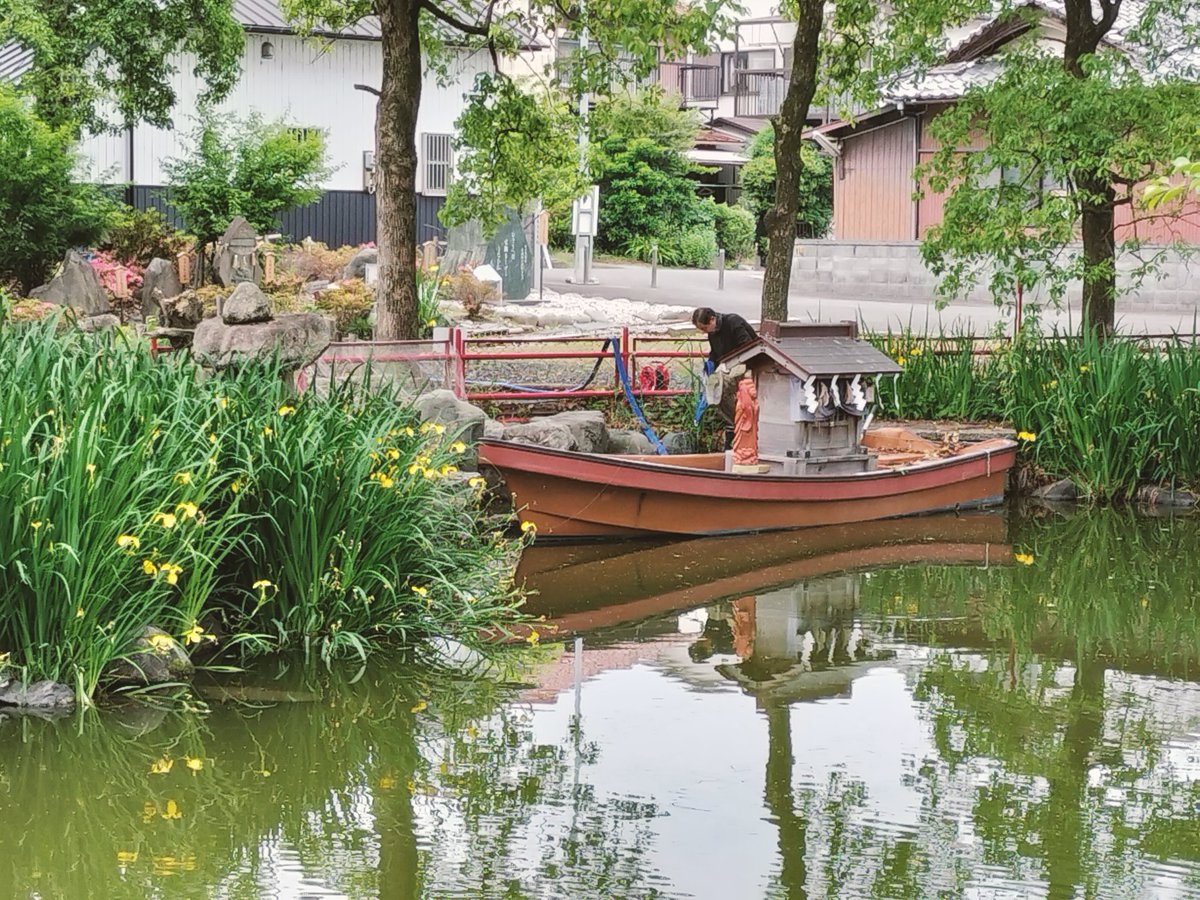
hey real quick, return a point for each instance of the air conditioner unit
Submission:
(369, 171)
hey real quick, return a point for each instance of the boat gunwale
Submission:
(983, 450)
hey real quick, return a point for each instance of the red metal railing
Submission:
(462, 357)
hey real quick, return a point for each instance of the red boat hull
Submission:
(582, 495)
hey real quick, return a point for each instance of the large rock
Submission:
(357, 266)
(1156, 496)
(295, 340)
(1061, 491)
(622, 441)
(102, 322)
(678, 442)
(459, 417)
(39, 695)
(246, 305)
(582, 430)
(236, 257)
(160, 276)
(155, 658)
(77, 286)
(587, 428)
(542, 432)
(184, 311)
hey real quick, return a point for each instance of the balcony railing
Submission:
(698, 84)
(758, 93)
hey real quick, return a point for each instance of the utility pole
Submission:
(583, 242)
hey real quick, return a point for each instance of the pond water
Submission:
(978, 706)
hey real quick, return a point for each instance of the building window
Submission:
(437, 163)
(302, 134)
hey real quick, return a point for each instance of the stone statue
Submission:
(745, 423)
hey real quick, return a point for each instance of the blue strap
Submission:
(659, 447)
(702, 400)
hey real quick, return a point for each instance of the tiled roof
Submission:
(266, 16)
(947, 82)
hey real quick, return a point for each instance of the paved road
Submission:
(743, 292)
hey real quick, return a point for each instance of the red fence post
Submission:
(460, 365)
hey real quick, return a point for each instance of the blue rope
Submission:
(702, 400)
(659, 447)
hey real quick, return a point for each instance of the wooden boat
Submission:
(582, 495)
(582, 588)
(804, 406)
(804, 392)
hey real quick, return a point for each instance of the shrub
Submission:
(429, 298)
(645, 192)
(138, 236)
(245, 167)
(349, 301)
(468, 291)
(138, 493)
(1110, 415)
(697, 248)
(43, 209)
(735, 230)
(815, 211)
(311, 261)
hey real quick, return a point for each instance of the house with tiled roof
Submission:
(326, 85)
(876, 155)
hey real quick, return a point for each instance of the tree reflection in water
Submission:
(1038, 732)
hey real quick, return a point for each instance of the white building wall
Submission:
(309, 85)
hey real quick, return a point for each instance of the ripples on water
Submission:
(896, 710)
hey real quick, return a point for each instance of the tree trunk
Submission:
(1099, 256)
(793, 826)
(396, 170)
(789, 127)
(1097, 197)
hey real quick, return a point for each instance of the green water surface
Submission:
(988, 709)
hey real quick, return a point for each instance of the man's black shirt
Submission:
(731, 333)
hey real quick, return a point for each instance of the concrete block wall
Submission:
(894, 270)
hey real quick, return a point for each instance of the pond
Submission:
(989, 705)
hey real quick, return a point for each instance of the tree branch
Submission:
(368, 89)
(477, 29)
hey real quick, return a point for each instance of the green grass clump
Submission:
(1113, 415)
(138, 492)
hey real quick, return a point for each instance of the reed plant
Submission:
(1112, 415)
(139, 492)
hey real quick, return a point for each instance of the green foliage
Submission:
(137, 492)
(646, 112)
(43, 209)
(248, 168)
(111, 64)
(138, 236)
(646, 196)
(1112, 415)
(429, 297)
(1169, 189)
(815, 210)
(734, 228)
(1052, 138)
(513, 146)
(349, 301)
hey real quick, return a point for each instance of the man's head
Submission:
(705, 320)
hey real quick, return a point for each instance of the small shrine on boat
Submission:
(806, 399)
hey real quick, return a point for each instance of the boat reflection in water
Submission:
(775, 612)
(601, 586)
